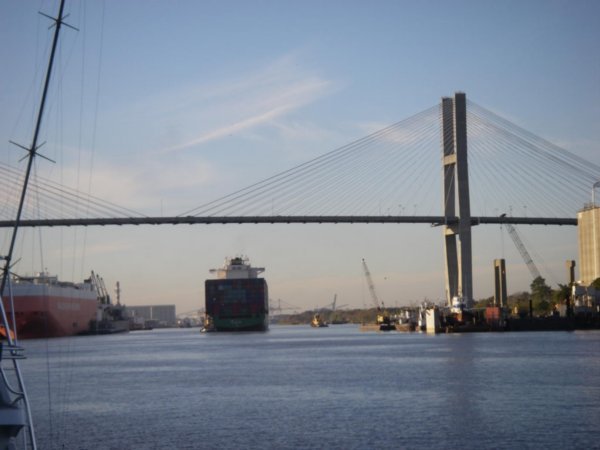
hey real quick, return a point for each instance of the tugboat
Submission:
(318, 322)
(208, 325)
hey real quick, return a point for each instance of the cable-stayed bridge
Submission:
(392, 175)
(490, 167)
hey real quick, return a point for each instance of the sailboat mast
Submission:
(15, 412)
(34, 145)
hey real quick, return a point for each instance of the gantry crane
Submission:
(383, 317)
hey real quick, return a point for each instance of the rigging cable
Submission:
(94, 123)
(343, 172)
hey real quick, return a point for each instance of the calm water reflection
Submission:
(299, 387)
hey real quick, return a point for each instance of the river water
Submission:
(299, 387)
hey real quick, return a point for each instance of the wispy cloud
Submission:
(236, 105)
(188, 116)
(141, 187)
(259, 118)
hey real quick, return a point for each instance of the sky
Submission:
(163, 106)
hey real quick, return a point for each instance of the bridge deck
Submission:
(190, 220)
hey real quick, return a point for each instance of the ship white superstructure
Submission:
(237, 268)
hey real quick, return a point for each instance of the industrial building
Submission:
(158, 315)
(588, 229)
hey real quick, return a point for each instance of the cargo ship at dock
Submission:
(46, 307)
(237, 299)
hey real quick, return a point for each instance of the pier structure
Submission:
(458, 254)
(570, 271)
(500, 296)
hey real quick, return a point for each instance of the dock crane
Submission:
(535, 273)
(334, 304)
(279, 309)
(103, 295)
(383, 317)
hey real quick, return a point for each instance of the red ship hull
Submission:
(43, 311)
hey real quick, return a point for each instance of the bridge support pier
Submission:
(500, 283)
(459, 265)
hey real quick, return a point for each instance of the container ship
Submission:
(46, 307)
(237, 300)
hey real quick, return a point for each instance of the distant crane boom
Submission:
(98, 283)
(383, 318)
(378, 304)
(535, 273)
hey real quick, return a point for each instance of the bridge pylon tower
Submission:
(458, 255)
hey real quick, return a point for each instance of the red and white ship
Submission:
(47, 307)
